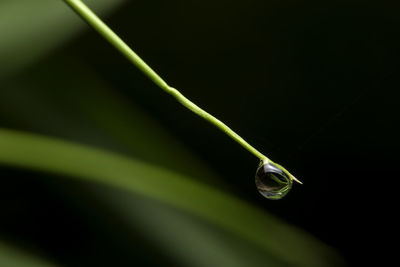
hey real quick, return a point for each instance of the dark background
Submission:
(314, 85)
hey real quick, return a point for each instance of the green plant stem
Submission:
(93, 20)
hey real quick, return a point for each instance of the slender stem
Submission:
(82, 10)
(116, 41)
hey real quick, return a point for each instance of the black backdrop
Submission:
(312, 84)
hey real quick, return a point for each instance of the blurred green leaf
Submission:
(13, 257)
(285, 242)
(84, 106)
(31, 29)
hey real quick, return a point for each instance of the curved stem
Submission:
(82, 10)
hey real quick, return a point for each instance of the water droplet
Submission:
(272, 182)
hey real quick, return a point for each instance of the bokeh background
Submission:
(314, 85)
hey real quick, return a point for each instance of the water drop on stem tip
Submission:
(271, 181)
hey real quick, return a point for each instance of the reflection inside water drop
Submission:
(272, 182)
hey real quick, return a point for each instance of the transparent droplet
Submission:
(272, 182)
